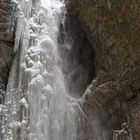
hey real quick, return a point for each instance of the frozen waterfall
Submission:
(38, 106)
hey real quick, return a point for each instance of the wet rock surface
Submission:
(78, 65)
(112, 27)
(7, 31)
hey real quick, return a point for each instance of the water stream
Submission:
(38, 104)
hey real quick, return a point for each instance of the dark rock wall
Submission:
(113, 29)
(7, 31)
(78, 65)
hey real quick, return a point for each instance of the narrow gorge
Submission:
(69, 70)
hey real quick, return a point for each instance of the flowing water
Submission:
(38, 104)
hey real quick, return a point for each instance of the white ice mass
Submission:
(37, 105)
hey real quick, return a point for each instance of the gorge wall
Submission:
(7, 30)
(112, 28)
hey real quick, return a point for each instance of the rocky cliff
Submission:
(112, 29)
(7, 30)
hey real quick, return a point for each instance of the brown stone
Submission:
(112, 27)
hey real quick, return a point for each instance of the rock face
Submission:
(7, 29)
(79, 56)
(112, 28)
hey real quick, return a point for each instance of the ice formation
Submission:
(37, 106)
